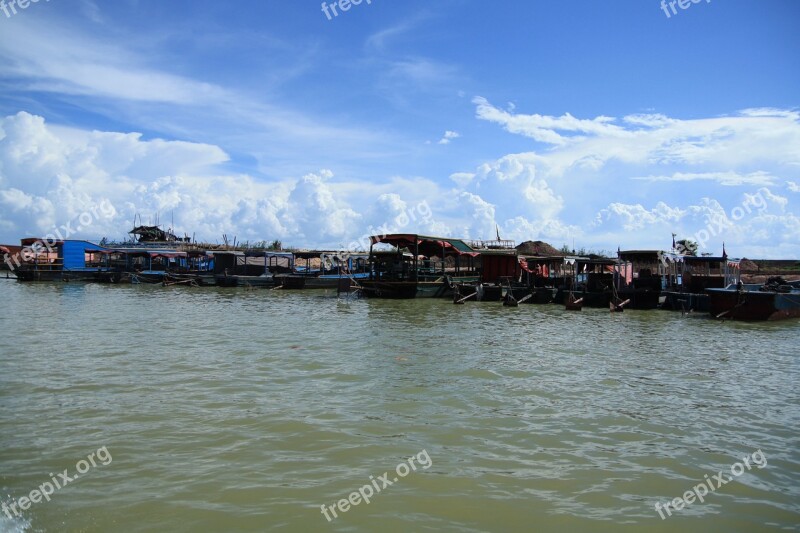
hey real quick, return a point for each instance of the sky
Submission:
(599, 125)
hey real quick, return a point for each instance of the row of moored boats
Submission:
(419, 266)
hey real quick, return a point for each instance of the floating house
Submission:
(69, 260)
(643, 275)
(695, 276)
(325, 270)
(418, 266)
(253, 268)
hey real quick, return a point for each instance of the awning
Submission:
(168, 255)
(428, 246)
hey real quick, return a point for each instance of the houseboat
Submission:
(643, 275)
(418, 266)
(499, 270)
(69, 260)
(250, 268)
(775, 300)
(325, 270)
(548, 278)
(695, 276)
(198, 270)
(140, 265)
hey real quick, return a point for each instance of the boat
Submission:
(643, 275)
(196, 271)
(252, 268)
(571, 300)
(10, 256)
(695, 276)
(549, 278)
(68, 260)
(325, 270)
(145, 266)
(500, 275)
(417, 266)
(573, 303)
(595, 280)
(775, 300)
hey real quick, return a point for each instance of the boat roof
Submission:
(427, 245)
(597, 260)
(312, 254)
(708, 259)
(499, 251)
(641, 253)
(140, 251)
(540, 258)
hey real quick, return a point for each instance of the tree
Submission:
(686, 247)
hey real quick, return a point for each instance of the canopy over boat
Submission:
(426, 245)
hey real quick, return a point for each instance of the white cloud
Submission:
(545, 128)
(449, 136)
(731, 179)
(765, 137)
(462, 179)
(744, 227)
(607, 166)
(636, 216)
(49, 175)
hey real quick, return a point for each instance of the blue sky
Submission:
(605, 124)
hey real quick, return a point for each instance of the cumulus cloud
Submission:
(757, 218)
(50, 175)
(636, 216)
(575, 190)
(645, 175)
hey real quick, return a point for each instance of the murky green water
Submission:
(226, 410)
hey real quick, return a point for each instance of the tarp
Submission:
(168, 255)
(428, 246)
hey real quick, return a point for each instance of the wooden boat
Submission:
(233, 268)
(774, 300)
(595, 280)
(643, 274)
(500, 275)
(548, 278)
(324, 270)
(695, 275)
(617, 304)
(572, 302)
(69, 261)
(418, 266)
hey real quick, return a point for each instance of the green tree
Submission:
(686, 247)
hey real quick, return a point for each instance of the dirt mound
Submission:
(537, 248)
(748, 266)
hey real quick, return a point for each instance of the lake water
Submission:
(233, 410)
